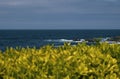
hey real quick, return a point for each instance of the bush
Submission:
(64, 62)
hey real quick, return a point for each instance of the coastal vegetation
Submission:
(81, 61)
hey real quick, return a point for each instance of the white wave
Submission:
(59, 40)
(81, 40)
(105, 39)
(49, 40)
(64, 40)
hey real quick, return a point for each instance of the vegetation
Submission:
(81, 61)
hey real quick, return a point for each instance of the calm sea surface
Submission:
(38, 38)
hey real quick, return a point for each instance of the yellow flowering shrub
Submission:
(80, 61)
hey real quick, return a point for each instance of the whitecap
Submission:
(65, 40)
(59, 40)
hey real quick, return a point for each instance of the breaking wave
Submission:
(64, 40)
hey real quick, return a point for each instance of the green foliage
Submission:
(64, 62)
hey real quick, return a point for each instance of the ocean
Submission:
(38, 38)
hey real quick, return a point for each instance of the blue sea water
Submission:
(38, 38)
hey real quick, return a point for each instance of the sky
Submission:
(59, 14)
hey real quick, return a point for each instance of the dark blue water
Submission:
(38, 38)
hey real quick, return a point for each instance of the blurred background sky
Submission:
(59, 14)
